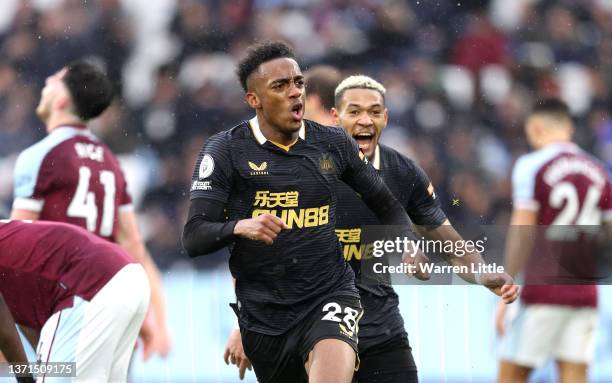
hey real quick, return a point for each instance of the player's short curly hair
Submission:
(261, 53)
(90, 89)
(357, 82)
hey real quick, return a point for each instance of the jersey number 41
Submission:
(83, 204)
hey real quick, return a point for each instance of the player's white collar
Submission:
(562, 145)
(71, 130)
(262, 139)
(376, 160)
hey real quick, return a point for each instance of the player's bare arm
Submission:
(518, 247)
(129, 238)
(500, 284)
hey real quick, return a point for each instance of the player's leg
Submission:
(530, 341)
(329, 343)
(331, 361)
(88, 332)
(393, 364)
(64, 339)
(513, 373)
(572, 372)
(576, 345)
(139, 303)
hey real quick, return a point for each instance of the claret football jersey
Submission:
(70, 176)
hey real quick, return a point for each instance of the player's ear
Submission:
(386, 116)
(253, 100)
(335, 116)
(63, 102)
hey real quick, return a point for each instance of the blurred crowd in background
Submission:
(460, 77)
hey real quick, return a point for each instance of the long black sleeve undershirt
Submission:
(204, 232)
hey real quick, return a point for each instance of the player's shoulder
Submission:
(393, 159)
(36, 152)
(230, 137)
(527, 165)
(597, 162)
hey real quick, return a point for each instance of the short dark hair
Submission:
(90, 89)
(552, 106)
(260, 53)
(322, 81)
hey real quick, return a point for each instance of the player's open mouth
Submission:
(297, 111)
(364, 140)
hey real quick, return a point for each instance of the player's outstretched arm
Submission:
(520, 240)
(500, 284)
(10, 343)
(129, 238)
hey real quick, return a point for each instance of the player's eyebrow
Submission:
(284, 80)
(353, 105)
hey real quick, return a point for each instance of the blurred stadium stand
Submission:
(460, 77)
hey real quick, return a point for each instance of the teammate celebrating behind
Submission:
(276, 177)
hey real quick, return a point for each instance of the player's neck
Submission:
(553, 140)
(275, 135)
(56, 121)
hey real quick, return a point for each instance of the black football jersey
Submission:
(278, 284)
(411, 186)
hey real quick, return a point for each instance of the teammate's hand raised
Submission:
(500, 284)
(264, 228)
(234, 353)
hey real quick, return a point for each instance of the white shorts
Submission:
(99, 335)
(539, 332)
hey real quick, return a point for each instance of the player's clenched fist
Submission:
(264, 228)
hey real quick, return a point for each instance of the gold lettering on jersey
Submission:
(299, 218)
(89, 151)
(349, 235)
(258, 170)
(267, 202)
(264, 198)
(351, 246)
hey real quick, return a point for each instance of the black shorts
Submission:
(394, 364)
(281, 358)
